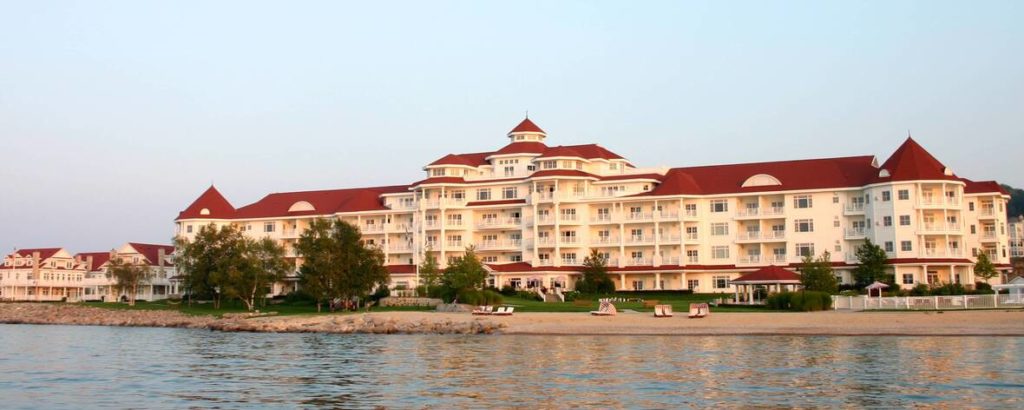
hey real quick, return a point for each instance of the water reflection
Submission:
(57, 366)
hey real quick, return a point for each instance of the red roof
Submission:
(799, 174)
(212, 201)
(769, 274)
(440, 180)
(983, 187)
(44, 253)
(912, 162)
(562, 173)
(472, 160)
(526, 126)
(522, 147)
(324, 202)
(98, 259)
(656, 177)
(497, 202)
(586, 151)
(401, 269)
(152, 252)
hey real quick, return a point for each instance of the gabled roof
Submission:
(211, 200)
(798, 174)
(526, 126)
(98, 259)
(152, 252)
(44, 253)
(912, 162)
(562, 173)
(475, 159)
(324, 202)
(769, 274)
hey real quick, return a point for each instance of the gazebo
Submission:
(1015, 288)
(876, 286)
(768, 277)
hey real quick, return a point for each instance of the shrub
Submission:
(381, 293)
(920, 290)
(983, 288)
(529, 295)
(806, 301)
(479, 297)
(849, 292)
(508, 290)
(571, 295)
(949, 289)
(298, 297)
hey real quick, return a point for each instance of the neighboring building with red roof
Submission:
(534, 211)
(53, 274)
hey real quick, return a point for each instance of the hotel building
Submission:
(54, 274)
(533, 212)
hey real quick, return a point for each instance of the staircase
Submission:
(552, 298)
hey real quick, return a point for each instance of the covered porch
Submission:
(771, 279)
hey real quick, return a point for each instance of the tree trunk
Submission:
(317, 307)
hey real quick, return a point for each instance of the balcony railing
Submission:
(601, 218)
(749, 260)
(672, 260)
(496, 222)
(607, 240)
(501, 244)
(374, 228)
(666, 215)
(568, 240)
(988, 236)
(568, 217)
(639, 216)
(987, 212)
(940, 228)
(545, 219)
(855, 233)
(640, 239)
(692, 236)
(938, 201)
(690, 213)
(854, 208)
(545, 262)
(668, 238)
(453, 244)
(395, 247)
(638, 262)
(548, 241)
(761, 236)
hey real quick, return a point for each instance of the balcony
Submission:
(399, 248)
(545, 242)
(639, 217)
(938, 202)
(604, 241)
(454, 244)
(758, 236)
(290, 233)
(855, 208)
(639, 262)
(602, 219)
(672, 260)
(504, 244)
(454, 224)
(855, 233)
(666, 215)
(668, 239)
(570, 262)
(568, 218)
(986, 213)
(942, 253)
(749, 260)
(545, 219)
(940, 228)
(544, 262)
(692, 237)
(989, 236)
(568, 241)
(495, 223)
(640, 240)
(431, 224)
(690, 214)
(374, 228)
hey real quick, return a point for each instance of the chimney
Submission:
(160, 257)
(35, 264)
(88, 263)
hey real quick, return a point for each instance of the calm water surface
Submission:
(111, 367)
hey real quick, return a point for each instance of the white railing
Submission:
(668, 238)
(672, 260)
(640, 239)
(570, 262)
(638, 262)
(454, 223)
(855, 207)
(748, 212)
(545, 262)
(987, 212)
(453, 244)
(639, 216)
(759, 236)
(774, 211)
(511, 243)
(545, 241)
(690, 213)
(431, 224)
(545, 219)
(568, 240)
(374, 228)
(568, 217)
(399, 248)
(940, 228)
(604, 241)
(750, 260)
(601, 218)
(855, 232)
(692, 236)
(495, 222)
(667, 215)
(692, 259)
(956, 302)
(988, 235)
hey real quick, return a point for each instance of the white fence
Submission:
(927, 302)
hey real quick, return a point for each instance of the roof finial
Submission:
(908, 132)
(527, 114)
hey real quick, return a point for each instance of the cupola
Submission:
(527, 131)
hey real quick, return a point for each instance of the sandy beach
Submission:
(948, 323)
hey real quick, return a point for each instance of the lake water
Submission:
(112, 367)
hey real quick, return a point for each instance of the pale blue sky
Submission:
(114, 116)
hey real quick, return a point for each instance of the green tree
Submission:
(260, 263)
(129, 277)
(595, 277)
(983, 267)
(871, 264)
(430, 271)
(336, 264)
(464, 273)
(206, 261)
(816, 274)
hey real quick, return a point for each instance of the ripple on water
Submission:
(74, 367)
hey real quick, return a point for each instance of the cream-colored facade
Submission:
(533, 212)
(1016, 228)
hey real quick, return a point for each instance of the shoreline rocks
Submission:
(69, 314)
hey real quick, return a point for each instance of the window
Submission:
(604, 214)
(719, 205)
(804, 249)
(692, 284)
(904, 220)
(268, 227)
(974, 229)
(720, 252)
(903, 194)
(803, 225)
(638, 285)
(886, 221)
(691, 209)
(886, 196)
(908, 278)
(489, 259)
(516, 258)
(970, 206)
(569, 258)
(483, 194)
(888, 246)
(802, 201)
(510, 171)
(906, 246)
(721, 282)
(510, 192)
(719, 229)
(692, 256)
(835, 223)
(188, 228)
(835, 199)
(437, 172)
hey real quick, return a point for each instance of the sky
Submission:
(115, 116)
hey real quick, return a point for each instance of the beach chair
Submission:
(698, 310)
(499, 311)
(606, 309)
(483, 310)
(662, 310)
(504, 311)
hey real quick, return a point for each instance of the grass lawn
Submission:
(680, 303)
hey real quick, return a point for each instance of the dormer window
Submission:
(549, 164)
(437, 172)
